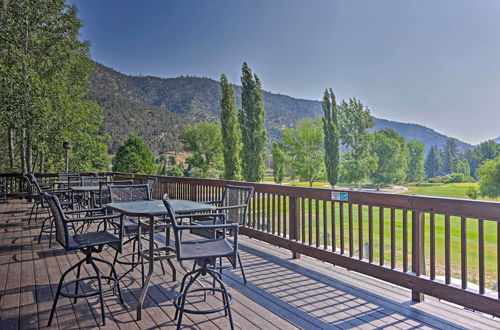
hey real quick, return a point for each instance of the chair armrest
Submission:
(200, 215)
(231, 207)
(102, 217)
(101, 209)
(233, 226)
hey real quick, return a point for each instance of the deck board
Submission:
(282, 293)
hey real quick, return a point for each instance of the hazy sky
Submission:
(432, 62)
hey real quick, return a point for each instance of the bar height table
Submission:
(151, 209)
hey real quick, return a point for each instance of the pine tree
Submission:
(279, 159)
(433, 163)
(332, 135)
(231, 135)
(450, 152)
(252, 123)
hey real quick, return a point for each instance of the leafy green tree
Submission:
(252, 123)
(204, 141)
(174, 168)
(392, 157)
(461, 166)
(449, 153)
(433, 163)
(305, 150)
(489, 178)
(133, 156)
(44, 68)
(231, 134)
(415, 161)
(484, 151)
(279, 160)
(355, 120)
(332, 136)
(472, 192)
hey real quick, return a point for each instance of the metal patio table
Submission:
(91, 190)
(150, 210)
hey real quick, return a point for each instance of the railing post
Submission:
(293, 222)
(418, 248)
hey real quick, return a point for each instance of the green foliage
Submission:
(134, 156)
(484, 151)
(231, 135)
(415, 161)
(433, 163)
(252, 122)
(392, 157)
(456, 178)
(472, 192)
(489, 175)
(169, 167)
(304, 146)
(461, 166)
(279, 160)
(204, 141)
(355, 120)
(332, 136)
(44, 69)
(449, 153)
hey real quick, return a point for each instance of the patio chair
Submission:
(133, 193)
(88, 243)
(203, 252)
(234, 203)
(103, 196)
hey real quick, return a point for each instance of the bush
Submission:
(456, 178)
(472, 192)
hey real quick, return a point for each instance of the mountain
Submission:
(156, 108)
(497, 140)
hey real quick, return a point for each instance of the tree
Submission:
(305, 150)
(484, 151)
(415, 161)
(489, 178)
(279, 159)
(332, 136)
(133, 156)
(450, 152)
(472, 192)
(433, 163)
(231, 135)
(174, 168)
(252, 120)
(44, 68)
(204, 141)
(392, 157)
(355, 120)
(461, 166)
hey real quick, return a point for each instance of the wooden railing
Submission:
(445, 248)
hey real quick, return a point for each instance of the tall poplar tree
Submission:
(433, 163)
(231, 135)
(252, 122)
(332, 136)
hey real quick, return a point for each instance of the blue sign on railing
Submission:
(340, 196)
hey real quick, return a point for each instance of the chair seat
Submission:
(209, 248)
(92, 239)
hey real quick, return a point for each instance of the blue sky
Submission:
(435, 63)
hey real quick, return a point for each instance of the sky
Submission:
(435, 63)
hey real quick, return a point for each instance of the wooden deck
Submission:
(282, 292)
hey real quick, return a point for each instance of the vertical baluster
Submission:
(268, 212)
(360, 231)
(273, 215)
(405, 241)
(310, 222)
(258, 211)
(447, 256)
(280, 218)
(325, 226)
(317, 238)
(480, 233)
(432, 248)
(370, 233)
(463, 249)
(341, 229)
(286, 218)
(303, 218)
(334, 234)
(381, 234)
(393, 238)
(254, 209)
(351, 234)
(498, 256)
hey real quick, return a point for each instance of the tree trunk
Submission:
(11, 149)
(22, 147)
(29, 154)
(42, 162)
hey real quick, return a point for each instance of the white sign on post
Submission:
(340, 196)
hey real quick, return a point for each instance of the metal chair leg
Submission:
(241, 267)
(77, 283)
(99, 283)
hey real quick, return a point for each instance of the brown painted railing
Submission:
(446, 248)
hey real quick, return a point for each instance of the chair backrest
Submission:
(62, 234)
(104, 197)
(64, 176)
(92, 180)
(74, 181)
(151, 182)
(236, 196)
(37, 188)
(129, 193)
(175, 225)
